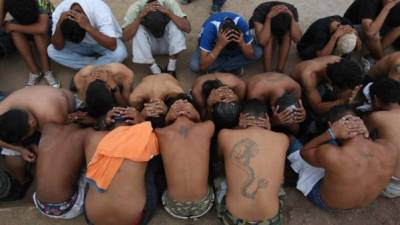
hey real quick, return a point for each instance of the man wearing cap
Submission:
(225, 45)
(327, 36)
(156, 27)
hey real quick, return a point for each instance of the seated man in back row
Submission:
(283, 94)
(185, 151)
(353, 170)
(328, 81)
(156, 27)
(254, 169)
(151, 97)
(85, 32)
(218, 96)
(225, 45)
(121, 187)
(275, 24)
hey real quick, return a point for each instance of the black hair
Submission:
(226, 115)
(99, 99)
(157, 122)
(24, 11)
(256, 108)
(280, 25)
(227, 25)
(210, 85)
(345, 74)
(386, 90)
(72, 31)
(14, 126)
(286, 100)
(169, 101)
(339, 111)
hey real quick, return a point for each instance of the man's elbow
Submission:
(371, 35)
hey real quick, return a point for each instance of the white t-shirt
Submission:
(99, 15)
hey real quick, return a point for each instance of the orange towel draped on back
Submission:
(137, 143)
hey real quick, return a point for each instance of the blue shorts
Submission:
(315, 196)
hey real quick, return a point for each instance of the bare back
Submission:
(185, 151)
(47, 104)
(268, 87)
(356, 173)
(387, 124)
(254, 165)
(124, 200)
(58, 165)
(117, 72)
(158, 87)
(306, 69)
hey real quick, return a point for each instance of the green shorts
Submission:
(188, 210)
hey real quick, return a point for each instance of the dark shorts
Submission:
(315, 197)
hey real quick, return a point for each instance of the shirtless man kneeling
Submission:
(254, 168)
(328, 81)
(118, 192)
(23, 114)
(60, 189)
(113, 80)
(385, 122)
(387, 67)
(356, 169)
(283, 94)
(185, 151)
(152, 95)
(217, 96)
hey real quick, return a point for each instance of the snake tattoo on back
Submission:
(242, 154)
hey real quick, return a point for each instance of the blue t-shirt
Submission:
(209, 31)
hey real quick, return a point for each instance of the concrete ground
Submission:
(297, 210)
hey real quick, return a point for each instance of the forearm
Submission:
(10, 146)
(374, 27)
(325, 107)
(265, 35)
(329, 47)
(182, 23)
(130, 30)
(36, 28)
(58, 39)
(209, 58)
(248, 51)
(295, 31)
(103, 40)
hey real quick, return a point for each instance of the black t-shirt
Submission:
(317, 36)
(393, 19)
(261, 11)
(363, 9)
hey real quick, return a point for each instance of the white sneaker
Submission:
(51, 80)
(33, 80)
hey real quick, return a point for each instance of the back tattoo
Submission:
(242, 154)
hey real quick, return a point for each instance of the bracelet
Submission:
(331, 134)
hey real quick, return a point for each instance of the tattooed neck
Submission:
(183, 131)
(242, 154)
